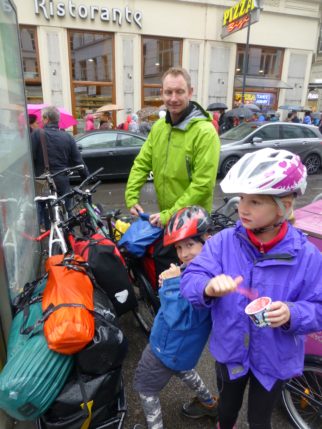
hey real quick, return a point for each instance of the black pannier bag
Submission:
(157, 259)
(108, 268)
(85, 400)
(93, 396)
(109, 346)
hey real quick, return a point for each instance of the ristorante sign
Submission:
(237, 17)
(50, 9)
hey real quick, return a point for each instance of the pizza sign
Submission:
(237, 17)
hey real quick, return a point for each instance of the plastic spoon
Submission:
(249, 293)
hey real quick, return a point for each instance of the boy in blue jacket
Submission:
(179, 332)
(263, 255)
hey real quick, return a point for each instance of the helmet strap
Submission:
(284, 217)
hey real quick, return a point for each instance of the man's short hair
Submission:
(51, 113)
(178, 71)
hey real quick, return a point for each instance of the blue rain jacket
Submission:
(180, 331)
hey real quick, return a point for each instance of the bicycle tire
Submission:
(302, 397)
(148, 302)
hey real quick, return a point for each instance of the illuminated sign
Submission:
(263, 98)
(49, 9)
(237, 17)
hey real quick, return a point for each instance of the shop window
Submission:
(159, 54)
(262, 61)
(30, 63)
(92, 71)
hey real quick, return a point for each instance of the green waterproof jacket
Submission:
(184, 160)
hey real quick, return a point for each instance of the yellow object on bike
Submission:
(120, 228)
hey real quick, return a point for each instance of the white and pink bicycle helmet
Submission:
(266, 172)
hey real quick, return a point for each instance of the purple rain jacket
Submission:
(291, 271)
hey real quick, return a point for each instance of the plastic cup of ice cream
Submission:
(256, 309)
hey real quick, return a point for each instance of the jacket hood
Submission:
(196, 113)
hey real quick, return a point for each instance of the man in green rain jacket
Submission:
(182, 151)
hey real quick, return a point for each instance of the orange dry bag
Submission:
(67, 305)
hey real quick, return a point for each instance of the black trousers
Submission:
(260, 401)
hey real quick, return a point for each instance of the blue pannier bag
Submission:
(33, 375)
(140, 235)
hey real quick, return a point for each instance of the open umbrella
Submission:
(239, 112)
(252, 107)
(108, 108)
(294, 107)
(216, 106)
(147, 111)
(66, 119)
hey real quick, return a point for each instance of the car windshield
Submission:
(238, 133)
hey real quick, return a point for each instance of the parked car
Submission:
(115, 150)
(305, 140)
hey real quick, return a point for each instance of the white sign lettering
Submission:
(48, 9)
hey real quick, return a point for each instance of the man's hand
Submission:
(136, 209)
(155, 220)
(222, 285)
(278, 314)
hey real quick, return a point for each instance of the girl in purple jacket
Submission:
(264, 255)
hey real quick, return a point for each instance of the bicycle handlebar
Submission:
(67, 171)
(90, 177)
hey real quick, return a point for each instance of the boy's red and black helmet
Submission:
(188, 222)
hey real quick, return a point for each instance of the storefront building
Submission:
(82, 55)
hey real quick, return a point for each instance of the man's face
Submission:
(176, 95)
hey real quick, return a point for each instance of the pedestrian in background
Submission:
(215, 120)
(106, 122)
(61, 149)
(307, 118)
(33, 122)
(133, 125)
(89, 122)
(182, 151)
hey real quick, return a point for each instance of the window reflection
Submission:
(30, 64)
(262, 61)
(159, 54)
(91, 56)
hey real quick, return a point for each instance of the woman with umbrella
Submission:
(218, 107)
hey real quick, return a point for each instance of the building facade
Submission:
(82, 55)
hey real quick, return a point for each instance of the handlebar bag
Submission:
(33, 375)
(108, 268)
(68, 305)
(139, 236)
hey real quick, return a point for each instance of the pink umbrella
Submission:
(66, 118)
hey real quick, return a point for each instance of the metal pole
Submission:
(245, 62)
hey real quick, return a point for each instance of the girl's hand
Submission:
(278, 314)
(222, 285)
(173, 271)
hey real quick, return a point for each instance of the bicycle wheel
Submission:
(148, 302)
(302, 397)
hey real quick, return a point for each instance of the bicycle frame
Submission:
(54, 203)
